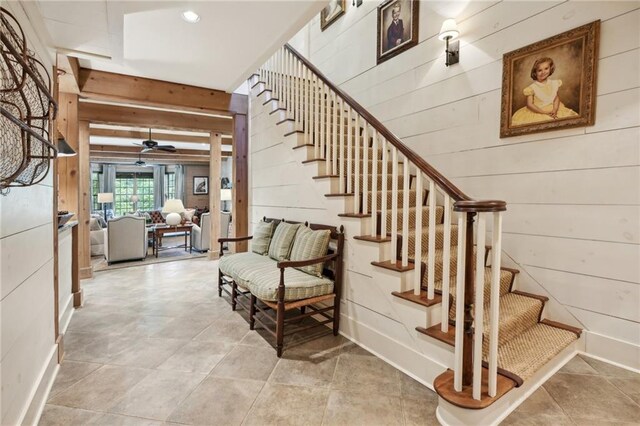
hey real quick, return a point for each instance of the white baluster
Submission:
(334, 135)
(327, 135)
(323, 120)
(355, 148)
(405, 216)
(460, 271)
(365, 165)
(349, 148)
(343, 154)
(417, 254)
(431, 279)
(308, 104)
(385, 174)
(374, 183)
(496, 253)
(316, 126)
(479, 309)
(285, 82)
(446, 262)
(394, 203)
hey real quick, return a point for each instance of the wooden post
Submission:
(240, 167)
(215, 146)
(469, 295)
(68, 167)
(84, 204)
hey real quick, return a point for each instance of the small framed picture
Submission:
(200, 185)
(397, 27)
(551, 84)
(331, 13)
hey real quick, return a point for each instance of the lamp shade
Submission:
(64, 150)
(173, 206)
(135, 198)
(225, 195)
(449, 30)
(105, 197)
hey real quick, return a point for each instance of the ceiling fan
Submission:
(151, 145)
(140, 162)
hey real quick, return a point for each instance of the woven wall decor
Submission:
(26, 110)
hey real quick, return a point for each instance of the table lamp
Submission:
(105, 198)
(174, 208)
(134, 201)
(225, 195)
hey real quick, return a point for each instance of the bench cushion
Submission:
(282, 239)
(298, 285)
(240, 266)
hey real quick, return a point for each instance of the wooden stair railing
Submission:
(343, 134)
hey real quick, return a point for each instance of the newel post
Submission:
(469, 295)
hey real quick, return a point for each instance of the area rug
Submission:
(99, 263)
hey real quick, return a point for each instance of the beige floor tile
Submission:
(366, 374)
(183, 328)
(288, 405)
(71, 372)
(318, 340)
(148, 325)
(420, 411)
(592, 398)
(109, 419)
(217, 401)
(577, 365)
(225, 331)
(309, 368)
(630, 386)
(55, 415)
(350, 348)
(606, 369)
(148, 353)
(101, 389)
(196, 356)
(353, 409)
(158, 394)
(91, 347)
(540, 402)
(536, 419)
(247, 362)
(413, 389)
(259, 338)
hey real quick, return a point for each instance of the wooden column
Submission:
(84, 204)
(215, 147)
(240, 167)
(68, 167)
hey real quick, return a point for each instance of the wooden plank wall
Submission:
(573, 196)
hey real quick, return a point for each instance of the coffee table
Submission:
(160, 230)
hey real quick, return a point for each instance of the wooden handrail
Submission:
(468, 204)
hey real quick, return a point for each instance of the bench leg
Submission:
(219, 283)
(336, 316)
(303, 309)
(252, 313)
(234, 294)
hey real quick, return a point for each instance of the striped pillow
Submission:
(310, 245)
(281, 241)
(261, 237)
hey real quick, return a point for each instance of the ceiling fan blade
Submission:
(146, 150)
(137, 144)
(168, 148)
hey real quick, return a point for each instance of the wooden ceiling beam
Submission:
(131, 116)
(68, 69)
(102, 85)
(106, 153)
(137, 134)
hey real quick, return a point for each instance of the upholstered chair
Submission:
(200, 233)
(125, 239)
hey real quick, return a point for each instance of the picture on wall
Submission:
(551, 84)
(397, 27)
(331, 13)
(200, 185)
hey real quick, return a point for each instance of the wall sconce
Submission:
(448, 32)
(64, 150)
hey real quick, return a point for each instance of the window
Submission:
(128, 184)
(95, 188)
(169, 186)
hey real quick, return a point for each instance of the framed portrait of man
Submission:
(551, 84)
(331, 13)
(397, 27)
(200, 185)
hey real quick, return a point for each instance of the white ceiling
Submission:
(150, 38)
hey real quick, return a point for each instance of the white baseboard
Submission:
(40, 392)
(65, 316)
(613, 351)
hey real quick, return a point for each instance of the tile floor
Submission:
(155, 345)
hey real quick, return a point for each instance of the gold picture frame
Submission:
(398, 22)
(551, 84)
(331, 13)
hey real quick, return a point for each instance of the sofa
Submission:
(291, 266)
(96, 234)
(125, 238)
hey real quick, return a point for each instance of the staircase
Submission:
(443, 247)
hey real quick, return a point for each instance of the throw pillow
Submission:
(156, 217)
(261, 237)
(188, 214)
(310, 245)
(283, 236)
(94, 225)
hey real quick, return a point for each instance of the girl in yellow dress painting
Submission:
(543, 103)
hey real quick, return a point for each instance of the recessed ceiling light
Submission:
(190, 16)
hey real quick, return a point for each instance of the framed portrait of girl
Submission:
(551, 84)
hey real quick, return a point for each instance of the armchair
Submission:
(200, 234)
(125, 239)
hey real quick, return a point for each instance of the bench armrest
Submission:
(299, 263)
(234, 239)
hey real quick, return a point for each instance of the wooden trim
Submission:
(313, 160)
(485, 206)
(543, 299)
(142, 135)
(372, 239)
(84, 202)
(276, 110)
(418, 299)
(577, 331)
(270, 100)
(299, 263)
(292, 132)
(339, 195)
(75, 268)
(303, 146)
(355, 215)
(142, 117)
(103, 85)
(299, 303)
(284, 121)
(394, 266)
(214, 195)
(240, 177)
(435, 332)
(443, 384)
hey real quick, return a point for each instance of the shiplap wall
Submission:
(573, 219)
(28, 348)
